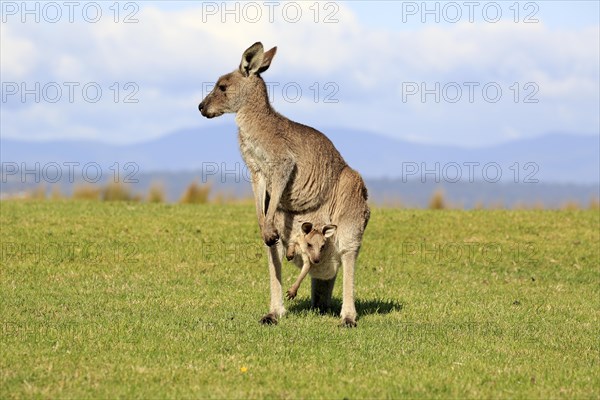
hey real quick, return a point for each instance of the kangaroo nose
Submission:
(200, 106)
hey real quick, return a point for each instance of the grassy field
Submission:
(152, 300)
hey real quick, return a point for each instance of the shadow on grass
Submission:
(363, 307)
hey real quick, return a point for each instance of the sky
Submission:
(467, 74)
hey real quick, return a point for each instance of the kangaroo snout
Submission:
(203, 110)
(213, 105)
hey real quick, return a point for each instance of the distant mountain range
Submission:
(548, 170)
(554, 158)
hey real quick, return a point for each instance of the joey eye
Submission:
(310, 245)
(222, 88)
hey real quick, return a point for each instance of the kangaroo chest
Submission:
(304, 191)
(255, 156)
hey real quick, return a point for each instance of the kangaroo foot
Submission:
(348, 322)
(269, 319)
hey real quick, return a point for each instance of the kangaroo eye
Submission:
(222, 88)
(310, 245)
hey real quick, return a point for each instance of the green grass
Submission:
(105, 300)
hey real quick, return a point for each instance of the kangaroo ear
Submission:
(329, 230)
(267, 58)
(307, 228)
(252, 59)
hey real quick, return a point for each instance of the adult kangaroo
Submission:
(295, 169)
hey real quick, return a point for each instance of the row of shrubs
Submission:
(439, 202)
(196, 193)
(193, 194)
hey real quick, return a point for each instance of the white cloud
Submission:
(18, 54)
(170, 53)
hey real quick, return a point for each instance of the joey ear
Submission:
(267, 58)
(307, 228)
(252, 59)
(329, 230)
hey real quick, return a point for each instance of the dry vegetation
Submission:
(437, 201)
(86, 192)
(197, 193)
(156, 194)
